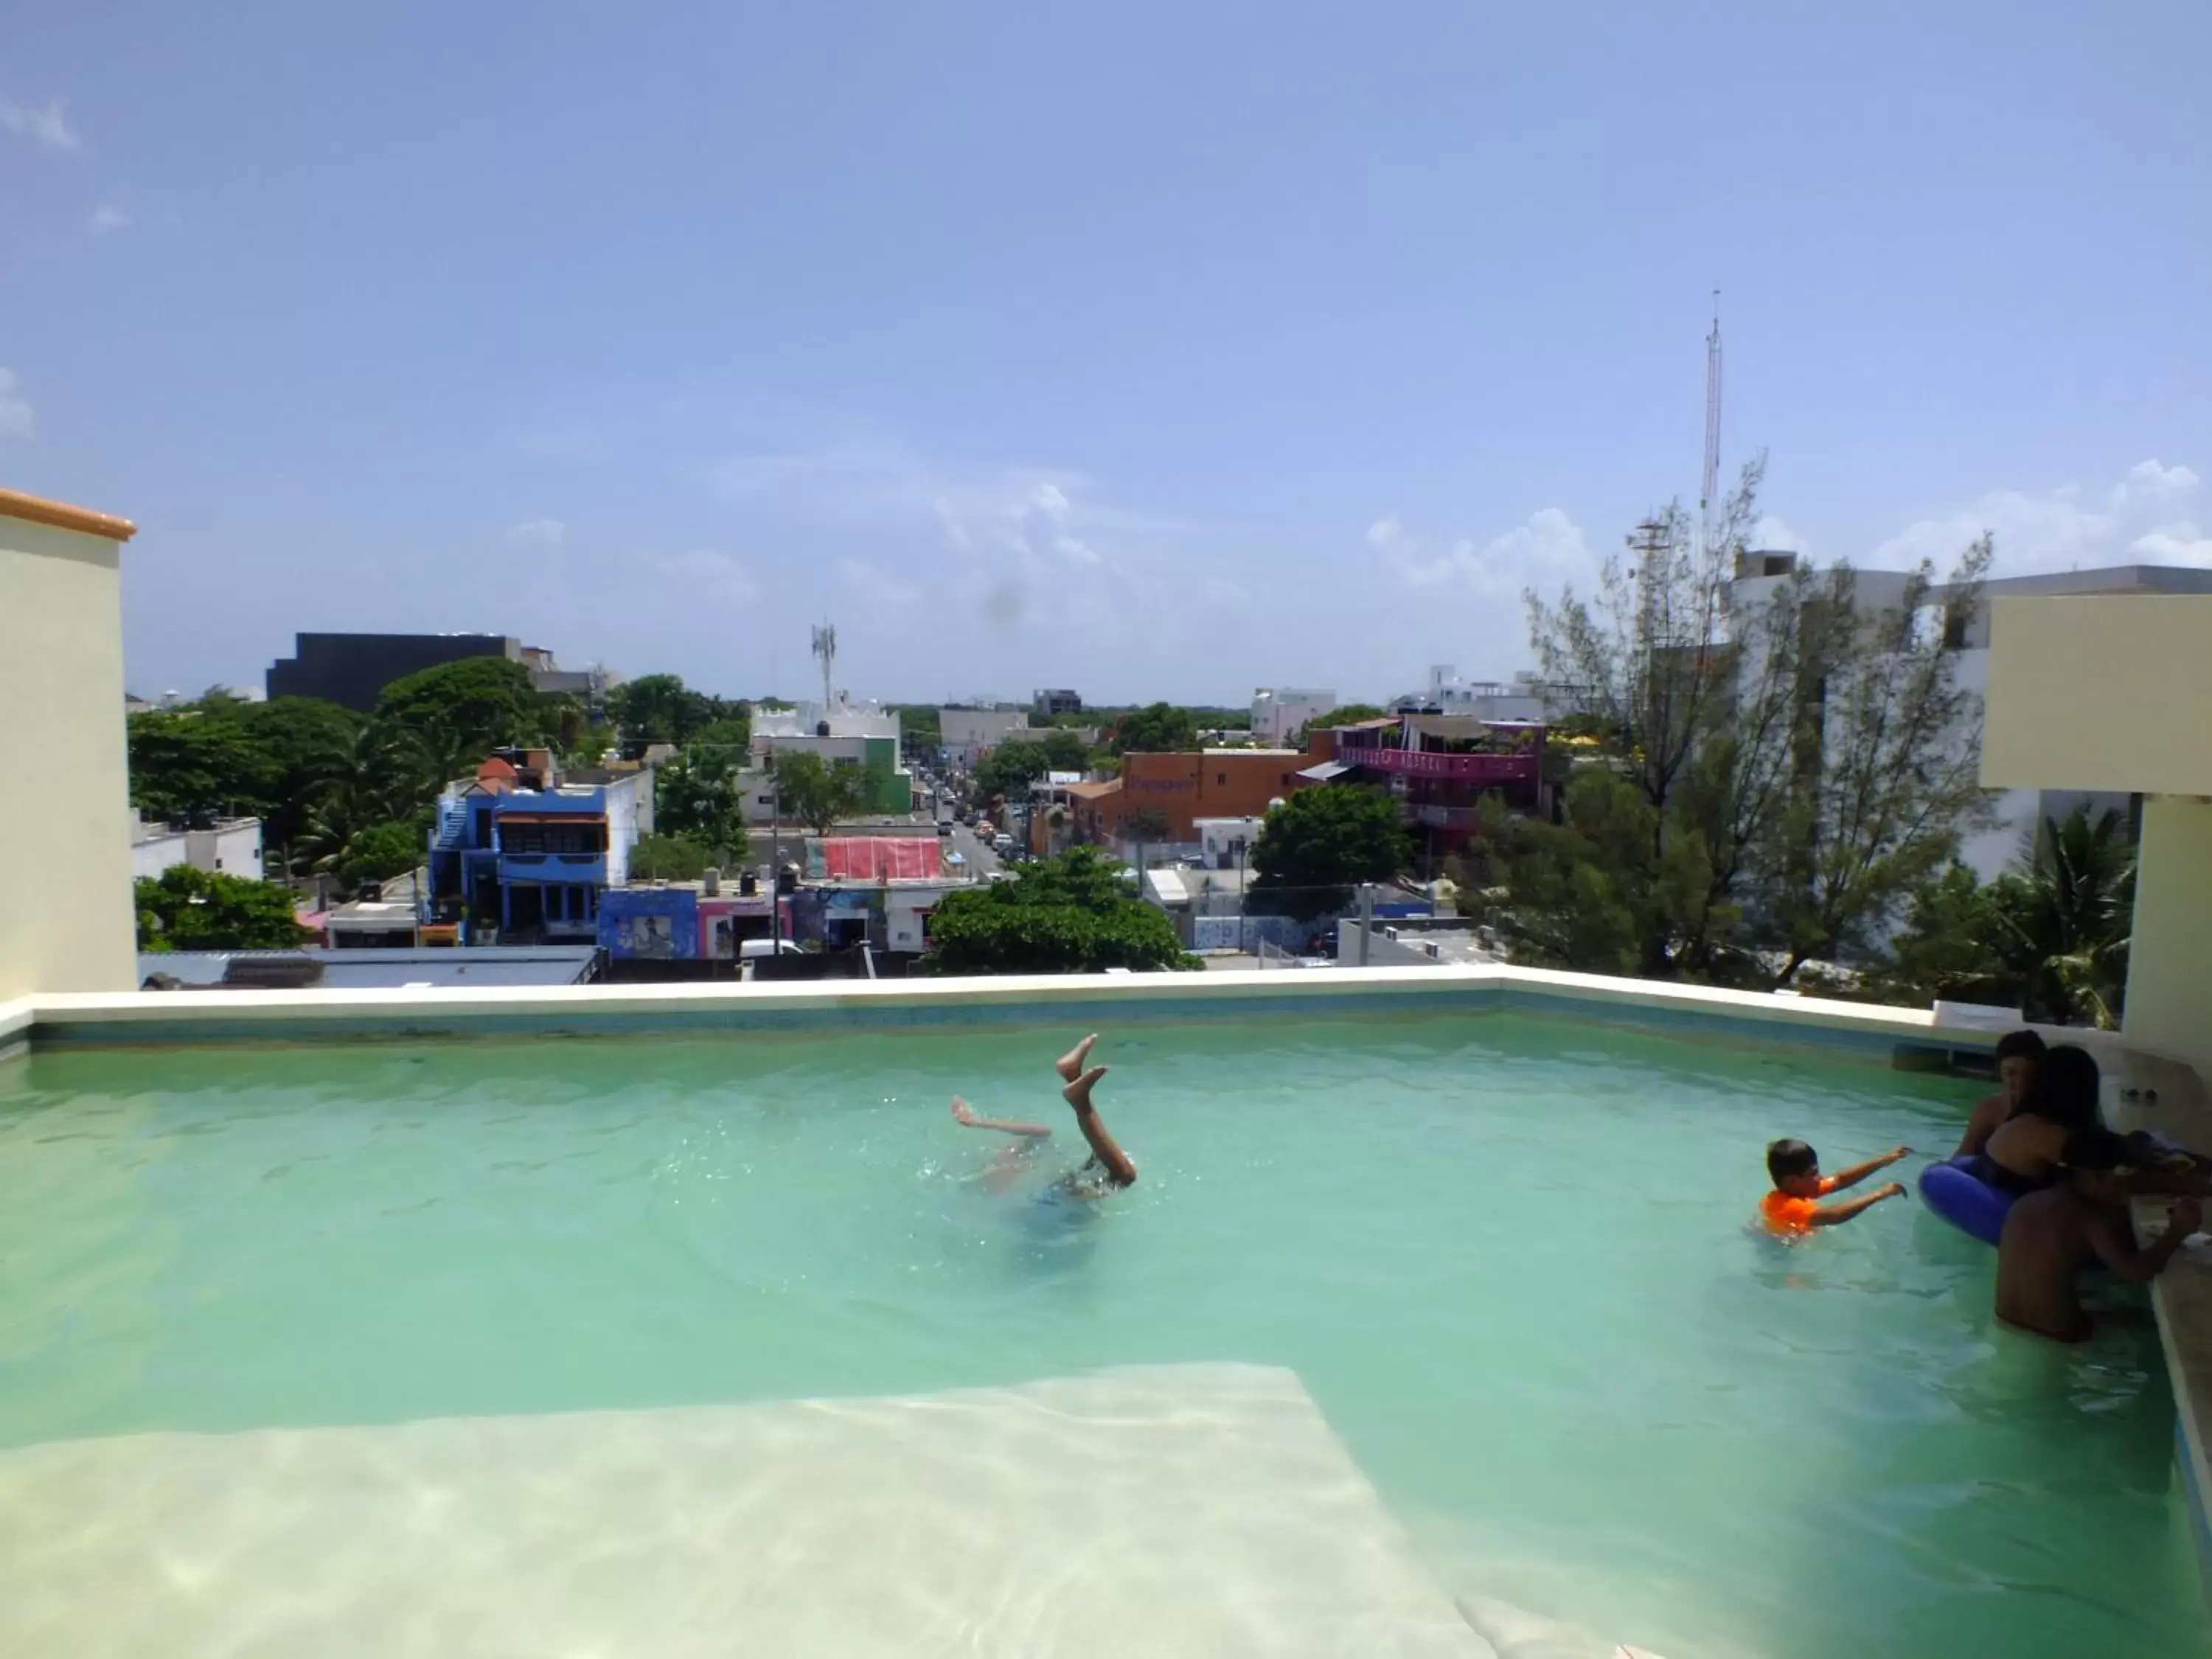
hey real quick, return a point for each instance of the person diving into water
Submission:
(1109, 1168)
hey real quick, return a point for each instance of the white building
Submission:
(2018, 812)
(1522, 699)
(842, 719)
(967, 733)
(2021, 810)
(1226, 843)
(66, 913)
(863, 736)
(230, 847)
(1279, 713)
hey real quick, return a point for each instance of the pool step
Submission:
(1179, 1512)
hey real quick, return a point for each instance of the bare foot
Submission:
(1078, 1093)
(962, 1113)
(1070, 1065)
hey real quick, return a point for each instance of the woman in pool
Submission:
(2027, 1153)
(1109, 1168)
(2018, 1054)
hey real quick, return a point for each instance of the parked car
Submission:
(1002, 843)
(945, 826)
(753, 948)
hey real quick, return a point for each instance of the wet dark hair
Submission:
(2019, 1045)
(2064, 1091)
(1790, 1157)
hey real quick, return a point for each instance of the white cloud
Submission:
(1548, 548)
(1029, 525)
(2151, 480)
(2179, 542)
(107, 218)
(15, 408)
(537, 532)
(1772, 535)
(2143, 516)
(45, 125)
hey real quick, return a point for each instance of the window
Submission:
(1222, 779)
(574, 839)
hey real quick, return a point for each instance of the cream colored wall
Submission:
(2101, 691)
(66, 918)
(2169, 1005)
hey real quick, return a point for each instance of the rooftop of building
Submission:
(142, 831)
(433, 968)
(64, 515)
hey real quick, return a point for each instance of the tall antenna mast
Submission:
(825, 646)
(1711, 484)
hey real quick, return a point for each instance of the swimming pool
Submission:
(1506, 1254)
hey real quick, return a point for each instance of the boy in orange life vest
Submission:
(1795, 1168)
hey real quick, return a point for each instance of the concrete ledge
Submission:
(236, 1016)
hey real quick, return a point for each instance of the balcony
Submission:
(1482, 771)
(554, 866)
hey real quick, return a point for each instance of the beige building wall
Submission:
(2170, 960)
(2114, 691)
(66, 918)
(2100, 691)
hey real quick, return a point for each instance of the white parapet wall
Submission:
(66, 919)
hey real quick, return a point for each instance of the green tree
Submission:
(1805, 752)
(189, 910)
(731, 731)
(1065, 751)
(183, 761)
(1160, 728)
(1589, 892)
(684, 858)
(697, 794)
(1645, 658)
(1068, 915)
(661, 708)
(921, 729)
(1010, 768)
(1315, 845)
(379, 851)
(1958, 942)
(304, 743)
(2051, 935)
(1348, 714)
(814, 792)
(1885, 776)
(2075, 917)
(477, 705)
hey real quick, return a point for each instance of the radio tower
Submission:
(1712, 474)
(825, 646)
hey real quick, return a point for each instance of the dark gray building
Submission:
(352, 669)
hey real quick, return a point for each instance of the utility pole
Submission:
(1711, 485)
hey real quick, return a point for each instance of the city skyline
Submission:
(1156, 355)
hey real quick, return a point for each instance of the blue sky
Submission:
(1154, 349)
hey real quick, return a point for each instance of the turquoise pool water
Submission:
(1508, 1255)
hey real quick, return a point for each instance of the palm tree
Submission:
(2073, 915)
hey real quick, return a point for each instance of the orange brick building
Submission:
(1211, 783)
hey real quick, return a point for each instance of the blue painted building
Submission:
(525, 865)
